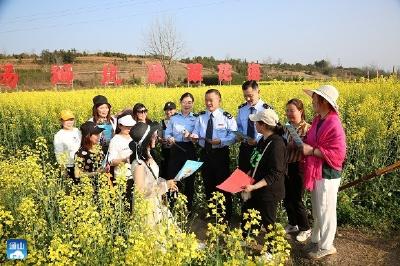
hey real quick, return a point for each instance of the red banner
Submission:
(110, 75)
(253, 72)
(194, 72)
(62, 75)
(8, 77)
(224, 72)
(155, 74)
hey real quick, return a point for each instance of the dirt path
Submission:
(355, 247)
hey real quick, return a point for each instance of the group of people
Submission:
(281, 166)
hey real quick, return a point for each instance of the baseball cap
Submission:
(127, 121)
(169, 106)
(268, 116)
(66, 115)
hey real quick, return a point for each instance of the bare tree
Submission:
(164, 43)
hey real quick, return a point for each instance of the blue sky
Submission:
(352, 33)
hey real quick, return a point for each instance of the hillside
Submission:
(34, 74)
(88, 70)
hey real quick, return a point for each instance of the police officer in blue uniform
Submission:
(214, 132)
(169, 110)
(253, 104)
(177, 134)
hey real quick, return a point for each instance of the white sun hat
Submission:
(127, 121)
(268, 116)
(328, 92)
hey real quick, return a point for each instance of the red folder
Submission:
(236, 182)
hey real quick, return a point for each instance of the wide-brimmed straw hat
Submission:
(328, 92)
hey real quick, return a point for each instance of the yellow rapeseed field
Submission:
(369, 111)
(65, 226)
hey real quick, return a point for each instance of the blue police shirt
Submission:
(178, 124)
(223, 126)
(243, 116)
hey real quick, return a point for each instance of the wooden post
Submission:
(369, 176)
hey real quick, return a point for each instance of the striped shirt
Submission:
(295, 153)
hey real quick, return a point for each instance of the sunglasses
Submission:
(141, 111)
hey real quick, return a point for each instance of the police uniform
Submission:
(248, 128)
(165, 151)
(182, 151)
(165, 148)
(215, 125)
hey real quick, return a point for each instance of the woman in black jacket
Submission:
(268, 168)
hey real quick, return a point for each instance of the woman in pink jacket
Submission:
(325, 151)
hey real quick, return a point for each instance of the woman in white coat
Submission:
(145, 170)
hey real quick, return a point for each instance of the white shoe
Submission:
(201, 246)
(303, 235)
(291, 229)
(267, 257)
(319, 254)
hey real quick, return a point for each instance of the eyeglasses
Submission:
(141, 111)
